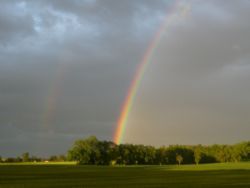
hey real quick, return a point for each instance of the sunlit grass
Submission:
(67, 174)
(41, 163)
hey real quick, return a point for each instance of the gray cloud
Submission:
(201, 72)
(65, 67)
(16, 25)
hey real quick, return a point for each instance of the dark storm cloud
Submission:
(14, 24)
(201, 72)
(85, 52)
(65, 67)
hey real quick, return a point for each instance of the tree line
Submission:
(92, 151)
(26, 157)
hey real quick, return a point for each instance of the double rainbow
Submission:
(179, 10)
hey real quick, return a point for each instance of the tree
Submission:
(35, 159)
(25, 157)
(93, 151)
(197, 155)
(85, 151)
(61, 158)
(179, 159)
(107, 151)
(57, 158)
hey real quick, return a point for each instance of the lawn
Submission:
(70, 175)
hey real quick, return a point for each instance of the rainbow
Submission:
(54, 93)
(179, 10)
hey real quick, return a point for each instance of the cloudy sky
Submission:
(66, 66)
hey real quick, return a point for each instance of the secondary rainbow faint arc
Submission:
(178, 11)
(53, 95)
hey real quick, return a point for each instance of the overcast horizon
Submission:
(66, 66)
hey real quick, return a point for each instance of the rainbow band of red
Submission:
(131, 94)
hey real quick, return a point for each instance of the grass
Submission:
(61, 175)
(37, 163)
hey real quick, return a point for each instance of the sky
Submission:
(66, 66)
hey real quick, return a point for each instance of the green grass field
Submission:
(38, 175)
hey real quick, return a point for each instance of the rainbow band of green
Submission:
(146, 60)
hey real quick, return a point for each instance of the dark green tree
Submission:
(85, 151)
(93, 151)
